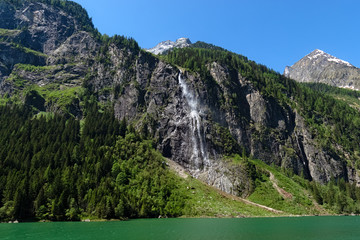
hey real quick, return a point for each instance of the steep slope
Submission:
(321, 67)
(203, 107)
(253, 105)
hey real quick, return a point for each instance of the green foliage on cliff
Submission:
(8, 32)
(200, 44)
(27, 50)
(351, 97)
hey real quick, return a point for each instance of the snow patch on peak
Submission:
(317, 53)
(337, 60)
(183, 41)
(165, 46)
(349, 87)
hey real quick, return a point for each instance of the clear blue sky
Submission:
(275, 33)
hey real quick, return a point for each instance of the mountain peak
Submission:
(319, 55)
(165, 46)
(183, 41)
(319, 66)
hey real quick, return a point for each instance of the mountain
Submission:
(91, 126)
(165, 46)
(321, 67)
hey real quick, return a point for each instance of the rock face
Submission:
(50, 42)
(47, 27)
(321, 67)
(165, 46)
(192, 123)
(44, 29)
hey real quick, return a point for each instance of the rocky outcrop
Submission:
(79, 47)
(11, 54)
(321, 67)
(47, 26)
(44, 45)
(7, 13)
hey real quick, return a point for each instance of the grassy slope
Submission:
(206, 201)
(298, 201)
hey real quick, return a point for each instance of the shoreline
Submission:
(181, 217)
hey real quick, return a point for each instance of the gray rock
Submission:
(78, 47)
(321, 67)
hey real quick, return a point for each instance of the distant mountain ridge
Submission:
(321, 67)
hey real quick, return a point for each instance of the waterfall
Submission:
(199, 154)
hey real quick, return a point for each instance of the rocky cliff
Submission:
(321, 67)
(196, 120)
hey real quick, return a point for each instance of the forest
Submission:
(57, 168)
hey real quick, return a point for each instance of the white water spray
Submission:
(198, 146)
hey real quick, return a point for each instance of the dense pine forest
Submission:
(59, 168)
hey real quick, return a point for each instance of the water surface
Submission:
(337, 228)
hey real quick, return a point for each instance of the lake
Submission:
(339, 228)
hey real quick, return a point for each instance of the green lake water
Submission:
(337, 228)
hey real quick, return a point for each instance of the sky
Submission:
(276, 33)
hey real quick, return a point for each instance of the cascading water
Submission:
(199, 154)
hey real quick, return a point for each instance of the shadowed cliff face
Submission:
(192, 122)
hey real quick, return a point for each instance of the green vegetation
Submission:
(351, 97)
(299, 196)
(51, 171)
(60, 96)
(27, 50)
(206, 201)
(32, 68)
(200, 44)
(223, 140)
(18, 82)
(120, 41)
(338, 196)
(295, 197)
(8, 32)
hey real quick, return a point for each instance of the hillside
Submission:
(88, 120)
